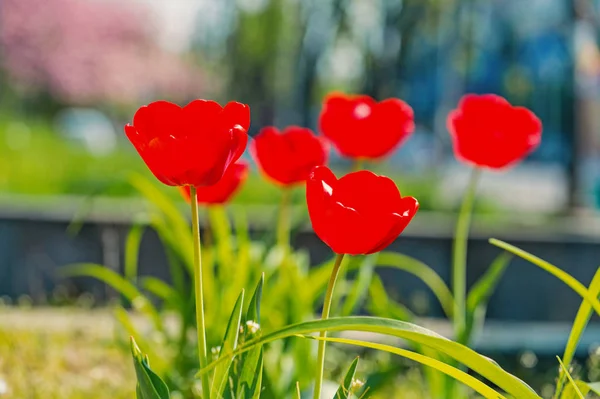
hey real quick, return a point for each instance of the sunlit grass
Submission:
(62, 363)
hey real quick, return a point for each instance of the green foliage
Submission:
(149, 386)
(345, 389)
(269, 357)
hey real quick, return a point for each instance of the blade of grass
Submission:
(344, 390)
(360, 287)
(229, 344)
(581, 321)
(563, 276)
(453, 372)
(573, 385)
(424, 273)
(478, 363)
(118, 283)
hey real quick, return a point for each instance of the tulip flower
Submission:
(192, 145)
(361, 213)
(225, 188)
(288, 157)
(361, 128)
(488, 132)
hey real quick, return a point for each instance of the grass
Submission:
(66, 356)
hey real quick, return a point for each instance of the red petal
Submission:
(368, 193)
(236, 113)
(319, 189)
(200, 117)
(157, 119)
(224, 189)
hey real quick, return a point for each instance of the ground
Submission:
(66, 356)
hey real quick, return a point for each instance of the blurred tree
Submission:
(84, 52)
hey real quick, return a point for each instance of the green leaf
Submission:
(253, 313)
(563, 276)
(581, 321)
(594, 387)
(249, 384)
(170, 239)
(485, 286)
(258, 387)
(118, 283)
(481, 292)
(157, 197)
(165, 292)
(381, 305)
(227, 347)
(150, 386)
(132, 249)
(343, 391)
(424, 273)
(219, 224)
(470, 381)
(574, 387)
(124, 320)
(360, 288)
(478, 363)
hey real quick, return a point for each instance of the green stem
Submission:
(358, 164)
(201, 327)
(324, 316)
(283, 223)
(459, 261)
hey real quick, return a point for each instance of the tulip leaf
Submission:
(253, 313)
(163, 291)
(157, 197)
(563, 276)
(424, 273)
(132, 248)
(149, 385)
(470, 381)
(360, 288)
(118, 283)
(581, 321)
(250, 380)
(575, 391)
(343, 391)
(484, 366)
(228, 345)
(481, 292)
(381, 305)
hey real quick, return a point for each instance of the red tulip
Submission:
(361, 213)
(360, 127)
(487, 131)
(191, 145)
(221, 192)
(288, 157)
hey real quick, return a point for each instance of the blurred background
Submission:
(73, 72)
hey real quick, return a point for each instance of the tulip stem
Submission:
(459, 261)
(283, 224)
(325, 315)
(201, 327)
(358, 165)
